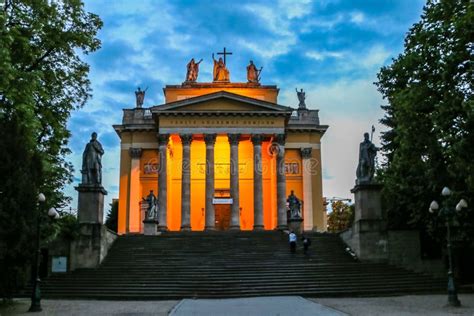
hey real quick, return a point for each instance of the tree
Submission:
(42, 79)
(112, 216)
(430, 116)
(341, 217)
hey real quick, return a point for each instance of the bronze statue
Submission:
(91, 162)
(220, 73)
(301, 97)
(193, 70)
(253, 74)
(140, 96)
(151, 208)
(366, 167)
(294, 204)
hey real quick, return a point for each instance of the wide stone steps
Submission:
(243, 264)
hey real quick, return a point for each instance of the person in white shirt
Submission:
(292, 238)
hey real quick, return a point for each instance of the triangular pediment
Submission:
(221, 101)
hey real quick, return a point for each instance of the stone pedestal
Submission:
(90, 207)
(150, 227)
(296, 225)
(369, 232)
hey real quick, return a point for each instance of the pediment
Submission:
(221, 101)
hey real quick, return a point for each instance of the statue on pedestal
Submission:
(92, 162)
(140, 96)
(294, 205)
(151, 212)
(366, 167)
(220, 72)
(301, 98)
(253, 74)
(192, 70)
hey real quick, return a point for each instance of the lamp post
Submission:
(36, 292)
(448, 213)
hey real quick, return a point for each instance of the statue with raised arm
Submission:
(151, 208)
(92, 162)
(192, 70)
(220, 71)
(366, 167)
(294, 204)
(301, 97)
(140, 96)
(253, 74)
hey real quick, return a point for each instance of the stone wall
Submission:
(400, 248)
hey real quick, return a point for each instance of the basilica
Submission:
(220, 155)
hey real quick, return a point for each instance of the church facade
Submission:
(220, 156)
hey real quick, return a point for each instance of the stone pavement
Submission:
(286, 305)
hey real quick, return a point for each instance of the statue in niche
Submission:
(140, 96)
(220, 73)
(192, 70)
(253, 74)
(367, 153)
(294, 205)
(92, 162)
(301, 97)
(152, 206)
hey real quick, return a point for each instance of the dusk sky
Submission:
(332, 49)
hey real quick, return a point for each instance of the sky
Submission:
(333, 49)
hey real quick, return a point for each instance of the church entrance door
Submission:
(222, 216)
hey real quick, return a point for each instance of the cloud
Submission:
(357, 17)
(322, 55)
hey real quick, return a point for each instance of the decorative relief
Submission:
(218, 122)
(151, 167)
(292, 168)
(221, 168)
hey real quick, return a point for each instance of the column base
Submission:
(282, 227)
(162, 228)
(234, 228)
(258, 227)
(186, 228)
(209, 228)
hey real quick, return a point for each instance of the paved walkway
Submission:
(286, 305)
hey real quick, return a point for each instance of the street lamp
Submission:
(36, 292)
(448, 213)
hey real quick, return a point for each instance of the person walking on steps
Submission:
(306, 244)
(292, 239)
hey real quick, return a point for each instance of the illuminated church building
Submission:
(220, 156)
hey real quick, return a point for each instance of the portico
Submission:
(225, 147)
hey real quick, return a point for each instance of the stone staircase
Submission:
(227, 264)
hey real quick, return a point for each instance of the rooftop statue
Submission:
(140, 96)
(92, 162)
(301, 97)
(220, 73)
(193, 70)
(253, 74)
(366, 167)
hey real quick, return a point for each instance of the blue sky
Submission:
(332, 49)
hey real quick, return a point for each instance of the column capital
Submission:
(135, 153)
(163, 139)
(280, 139)
(234, 139)
(186, 139)
(210, 139)
(257, 139)
(306, 152)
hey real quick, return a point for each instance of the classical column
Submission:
(134, 211)
(234, 140)
(186, 140)
(257, 183)
(210, 140)
(307, 188)
(281, 182)
(162, 182)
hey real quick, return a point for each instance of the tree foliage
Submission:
(341, 217)
(42, 79)
(112, 216)
(430, 116)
